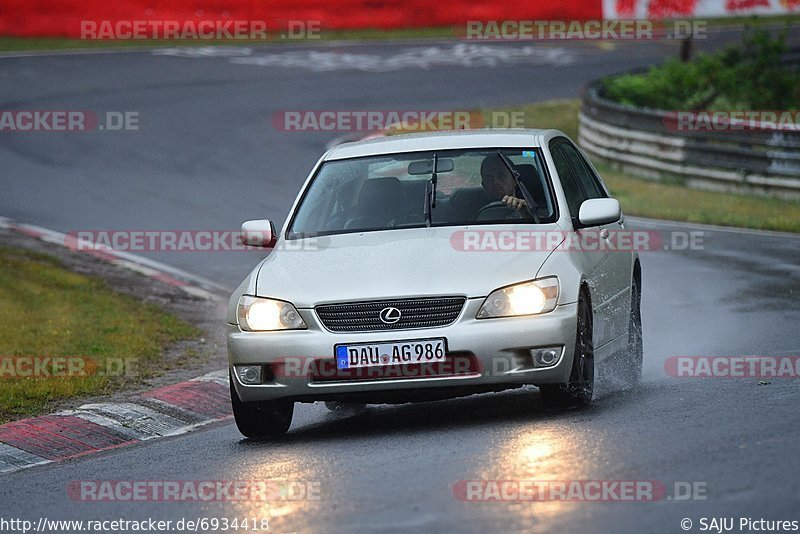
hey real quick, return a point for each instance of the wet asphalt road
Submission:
(206, 157)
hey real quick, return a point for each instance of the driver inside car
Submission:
(499, 184)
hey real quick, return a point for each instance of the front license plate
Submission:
(355, 355)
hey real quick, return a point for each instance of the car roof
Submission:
(456, 139)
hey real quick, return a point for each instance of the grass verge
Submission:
(664, 200)
(12, 44)
(96, 340)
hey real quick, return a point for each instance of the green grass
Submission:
(556, 114)
(665, 200)
(47, 310)
(10, 44)
(659, 200)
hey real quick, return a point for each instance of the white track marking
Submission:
(202, 287)
(711, 227)
(138, 422)
(204, 51)
(419, 57)
(461, 54)
(14, 459)
(220, 377)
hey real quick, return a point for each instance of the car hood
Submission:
(396, 264)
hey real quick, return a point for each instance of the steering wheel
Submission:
(497, 210)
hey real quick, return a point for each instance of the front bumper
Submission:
(501, 347)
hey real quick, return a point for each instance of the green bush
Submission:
(744, 77)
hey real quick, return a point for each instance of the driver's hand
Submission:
(514, 202)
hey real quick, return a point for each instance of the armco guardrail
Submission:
(641, 141)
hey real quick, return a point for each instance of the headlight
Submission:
(258, 314)
(526, 298)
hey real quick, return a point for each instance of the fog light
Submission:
(249, 374)
(546, 356)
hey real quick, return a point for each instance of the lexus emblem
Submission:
(390, 315)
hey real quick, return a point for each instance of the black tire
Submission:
(630, 369)
(265, 419)
(580, 388)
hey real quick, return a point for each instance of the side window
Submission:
(568, 180)
(585, 176)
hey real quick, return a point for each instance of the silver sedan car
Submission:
(426, 266)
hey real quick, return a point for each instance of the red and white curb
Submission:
(189, 283)
(167, 411)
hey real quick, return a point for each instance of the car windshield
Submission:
(389, 191)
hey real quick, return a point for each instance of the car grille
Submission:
(414, 313)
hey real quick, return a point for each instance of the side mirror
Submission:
(259, 233)
(597, 211)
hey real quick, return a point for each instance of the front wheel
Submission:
(264, 419)
(631, 371)
(578, 391)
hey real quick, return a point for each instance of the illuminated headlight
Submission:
(526, 298)
(258, 314)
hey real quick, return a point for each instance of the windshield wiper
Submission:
(529, 203)
(430, 193)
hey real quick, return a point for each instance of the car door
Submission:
(594, 264)
(617, 263)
